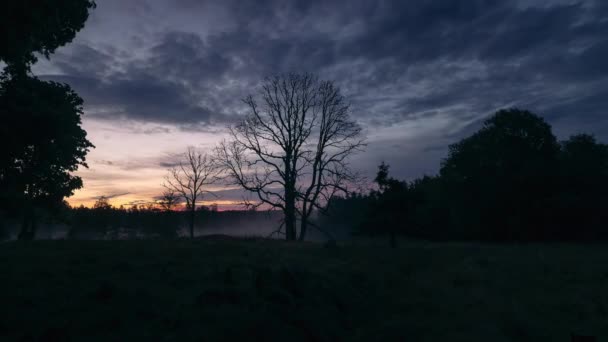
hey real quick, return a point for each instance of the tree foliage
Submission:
(30, 27)
(41, 137)
(511, 180)
(43, 142)
(500, 176)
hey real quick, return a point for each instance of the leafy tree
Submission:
(429, 213)
(584, 164)
(391, 205)
(510, 180)
(347, 213)
(43, 143)
(500, 176)
(41, 26)
(582, 200)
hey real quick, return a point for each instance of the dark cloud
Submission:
(113, 195)
(399, 62)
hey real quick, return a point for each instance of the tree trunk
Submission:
(192, 213)
(303, 227)
(290, 224)
(290, 204)
(290, 215)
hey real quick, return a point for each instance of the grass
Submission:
(215, 290)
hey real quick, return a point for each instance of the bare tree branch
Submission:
(188, 179)
(291, 151)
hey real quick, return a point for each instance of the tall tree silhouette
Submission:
(499, 177)
(292, 149)
(582, 200)
(40, 137)
(390, 206)
(194, 171)
(42, 143)
(38, 27)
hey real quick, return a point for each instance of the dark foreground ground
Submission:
(268, 290)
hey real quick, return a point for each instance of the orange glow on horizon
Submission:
(222, 205)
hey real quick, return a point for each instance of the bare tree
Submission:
(291, 150)
(337, 138)
(188, 179)
(168, 199)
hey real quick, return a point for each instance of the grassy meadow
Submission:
(225, 290)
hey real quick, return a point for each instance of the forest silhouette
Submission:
(510, 181)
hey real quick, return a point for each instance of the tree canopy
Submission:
(42, 137)
(499, 175)
(43, 143)
(30, 27)
(510, 180)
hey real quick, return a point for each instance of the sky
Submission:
(158, 76)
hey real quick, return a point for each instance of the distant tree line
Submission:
(103, 220)
(152, 220)
(510, 181)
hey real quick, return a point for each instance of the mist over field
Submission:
(235, 224)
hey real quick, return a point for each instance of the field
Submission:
(222, 289)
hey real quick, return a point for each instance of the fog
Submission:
(245, 226)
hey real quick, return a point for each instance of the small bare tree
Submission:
(291, 151)
(188, 179)
(168, 200)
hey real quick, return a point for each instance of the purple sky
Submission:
(158, 76)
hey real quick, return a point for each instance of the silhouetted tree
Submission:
(40, 134)
(584, 164)
(390, 205)
(510, 180)
(498, 178)
(582, 199)
(429, 209)
(102, 203)
(39, 27)
(188, 179)
(42, 143)
(349, 213)
(168, 200)
(292, 149)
